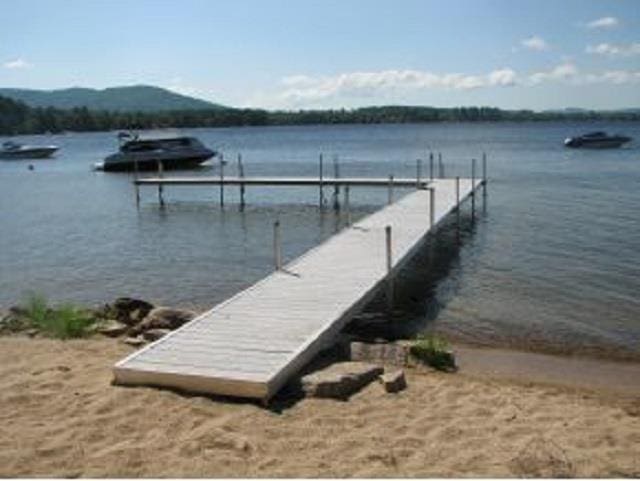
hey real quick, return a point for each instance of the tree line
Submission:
(18, 118)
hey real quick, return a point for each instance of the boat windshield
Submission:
(595, 134)
(160, 144)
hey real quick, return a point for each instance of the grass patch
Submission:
(434, 351)
(63, 322)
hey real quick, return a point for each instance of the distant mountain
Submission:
(142, 98)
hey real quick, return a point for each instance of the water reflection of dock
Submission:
(253, 343)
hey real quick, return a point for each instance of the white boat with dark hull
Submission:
(597, 140)
(14, 151)
(148, 154)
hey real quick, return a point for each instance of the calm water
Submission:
(551, 261)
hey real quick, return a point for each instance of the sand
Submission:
(61, 417)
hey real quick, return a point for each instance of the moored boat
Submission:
(147, 154)
(13, 151)
(597, 140)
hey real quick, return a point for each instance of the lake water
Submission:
(552, 260)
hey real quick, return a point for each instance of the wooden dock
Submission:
(253, 343)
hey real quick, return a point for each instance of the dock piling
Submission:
(320, 179)
(389, 259)
(277, 247)
(242, 187)
(390, 191)
(418, 172)
(440, 166)
(432, 206)
(336, 187)
(347, 204)
(222, 180)
(484, 173)
(473, 191)
(160, 186)
(431, 165)
(458, 209)
(135, 182)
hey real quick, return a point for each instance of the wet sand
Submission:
(60, 416)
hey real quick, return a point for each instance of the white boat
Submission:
(13, 151)
(146, 154)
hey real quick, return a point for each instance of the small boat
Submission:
(12, 150)
(597, 140)
(147, 154)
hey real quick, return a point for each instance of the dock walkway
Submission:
(253, 343)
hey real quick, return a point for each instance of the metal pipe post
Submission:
(473, 185)
(432, 207)
(336, 188)
(458, 208)
(440, 166)
(431, 165)
(390, 190)
(484, 173)
(347, 204)
(242, 186)
(221, 180)
(320, 179)
(418, 172)
(389, 250)
(277, 247)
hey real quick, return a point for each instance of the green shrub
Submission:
(63, 322)
(434, 351)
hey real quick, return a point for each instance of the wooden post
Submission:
(418, 172)
(336, 188)
(431, 165)
(473, 184)
(277, 248)
(347, 204)
(320, 179)
(221, 180)
(432, 207)
(390, 190)
(389, 251)
(241, 174)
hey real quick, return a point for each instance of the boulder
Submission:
(393, 354)
(340, 380)
(393, 381)
(134, 341)
(155, 334)
(112, 328)
(130, 311)
(165, 318)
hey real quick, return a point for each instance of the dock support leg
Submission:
(336, 187)
(458, 209)
(137, 187)
(320, 181)
(277, 248)
(222, 180)
(431, 165)
(160, 195)
(242, 187)
(484, 174)
(418, 172)
(390, 190)
(440, 166)
(473, 190)
(347, 204)
(389, 283)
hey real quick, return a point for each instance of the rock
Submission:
(134, 341)
(130, 311)
(340, 380)
(32, 332)
(155, 334)
(165, 318)
(112, 328)
(394, 381)
(394, 354)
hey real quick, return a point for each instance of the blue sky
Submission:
(328, 53)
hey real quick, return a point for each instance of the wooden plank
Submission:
(251, 344)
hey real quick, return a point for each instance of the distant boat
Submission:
(14, 151)
(146, 154)
(597, 140)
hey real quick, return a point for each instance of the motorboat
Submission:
(597, 140)
(138, 154)
(13, 151)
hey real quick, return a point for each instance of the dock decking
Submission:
(251, 344)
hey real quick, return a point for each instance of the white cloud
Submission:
(17, 64)
(366, 84)
(611, 50)
(604, 22)
(563, 71)
(535, 43)
(617, 77)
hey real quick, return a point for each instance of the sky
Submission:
(302, 54)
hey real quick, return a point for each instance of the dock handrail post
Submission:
(242, 188)
(336, 188)
(390, 190)
(277, 248)
(320, 181)
(389, 259)
(221, 180)
(432, 207)
(484, 173)
(418, 172)
(431, 165)
(473, 187)
(347, 204)
(458, 208)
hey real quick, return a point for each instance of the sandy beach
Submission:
(61, 417)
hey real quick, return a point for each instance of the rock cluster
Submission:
(139, 321)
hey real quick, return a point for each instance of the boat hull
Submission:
(36, 153)
(152, 164)
(611, 143)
